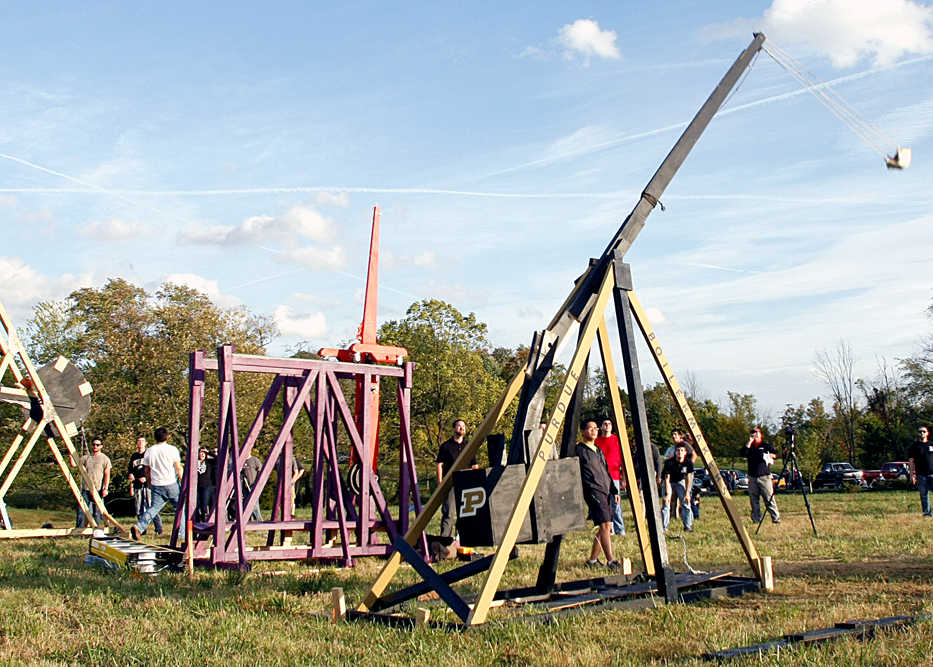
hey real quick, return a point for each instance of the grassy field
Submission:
(873, 558)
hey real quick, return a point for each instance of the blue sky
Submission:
(240, 149)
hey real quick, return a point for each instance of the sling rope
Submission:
(832, 100)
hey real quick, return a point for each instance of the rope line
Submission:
(832, 100)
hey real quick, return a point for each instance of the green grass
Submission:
(873, 558)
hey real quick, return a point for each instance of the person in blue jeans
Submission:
(920, 456)
(677, 480)
(163, 469)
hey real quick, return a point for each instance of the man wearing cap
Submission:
(97, 466)
(760, 456)
(920, 456)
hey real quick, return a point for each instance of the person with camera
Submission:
(760, 456)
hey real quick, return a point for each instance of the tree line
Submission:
(133, 346)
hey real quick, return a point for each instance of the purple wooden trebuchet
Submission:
(353, 521)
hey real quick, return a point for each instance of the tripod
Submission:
(790, 463)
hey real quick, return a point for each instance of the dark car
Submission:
(741, 479)
(837, 475)
(702, 480)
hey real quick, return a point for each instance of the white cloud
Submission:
(316, 258)
(584, 37)
(21, 287)
(299, 222)
(114, 230)
(209, 287)
(210, 235)
(305, 326)
(341, 199)
(426, 259)
(845, 31)
(655, 316)
(532, 52)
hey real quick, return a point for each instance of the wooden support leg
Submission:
(667, 584)
(680, 399)
(631, 480)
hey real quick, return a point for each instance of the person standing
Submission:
(446, 455)
(163, 470)
(677, 477)
(609, 445)
(97, 466)
(251, 468)
(920, 456)
(760, 455)
(597, 490)
(206, 484)
(139, 484)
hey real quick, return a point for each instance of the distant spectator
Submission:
(139, 484)
(920, 456)
(760, 455)
(251, 468)
(609, 445)
(97, 466)
(677, 478)
(163, 470)
(207, 485)
(449, 452)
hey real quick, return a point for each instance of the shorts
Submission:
(599, 510)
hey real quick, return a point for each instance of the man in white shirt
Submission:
(163, 469)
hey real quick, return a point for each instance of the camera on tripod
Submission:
(790, 436)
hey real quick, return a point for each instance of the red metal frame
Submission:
(368, 350)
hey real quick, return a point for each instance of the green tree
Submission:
(453, 379)
(133, 347)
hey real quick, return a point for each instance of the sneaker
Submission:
(775, 521)
(688, 530)
(591, 564)
(614, 565)
(134, 533)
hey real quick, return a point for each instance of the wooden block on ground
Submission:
(339, 604)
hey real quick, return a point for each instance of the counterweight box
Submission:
(486, 497)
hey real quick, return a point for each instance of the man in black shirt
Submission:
(139, 484)
(677, 476)
(446, 455)
(760, 456)
(597, 491)
(920, 456)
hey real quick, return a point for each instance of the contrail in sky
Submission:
(217, 192)
(585, 150)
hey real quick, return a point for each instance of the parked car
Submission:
(836, 475)
(702, 480)
(894, 470)
(741, 479)
(890, 471)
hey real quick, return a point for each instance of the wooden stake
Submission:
(189, 550)
(767, 573)
(339, 603)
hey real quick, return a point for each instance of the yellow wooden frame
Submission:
(14, 356)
